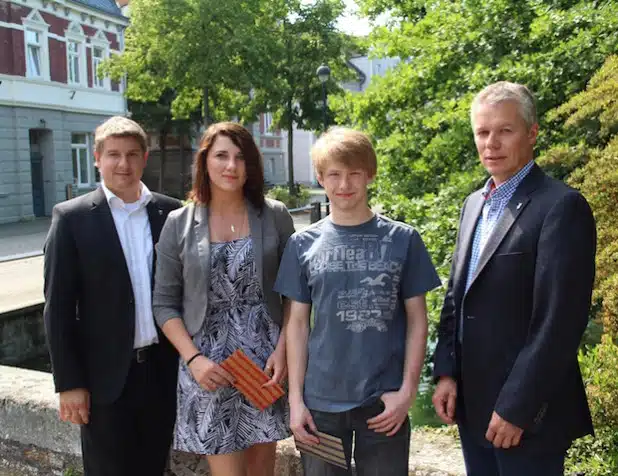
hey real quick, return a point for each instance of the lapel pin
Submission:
(161, 211)
(519, 205)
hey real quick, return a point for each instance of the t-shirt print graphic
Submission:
(373, 275)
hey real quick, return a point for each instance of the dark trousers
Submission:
(375, 454)
(132, 436)
(487, 461)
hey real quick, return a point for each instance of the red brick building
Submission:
(51, 98)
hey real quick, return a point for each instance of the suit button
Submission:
(131, 301)
(452, 354)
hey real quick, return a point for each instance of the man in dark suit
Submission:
(115, 373)
(517, 303)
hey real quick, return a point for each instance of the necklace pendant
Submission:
(233, 229)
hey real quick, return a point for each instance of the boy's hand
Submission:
(276, 367)
(300, 419)
(396, 406)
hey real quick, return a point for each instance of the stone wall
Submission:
(22, 335)
(33, 441)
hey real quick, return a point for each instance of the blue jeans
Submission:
(488, 461)
(375, 454)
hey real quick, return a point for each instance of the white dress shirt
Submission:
(133, 228)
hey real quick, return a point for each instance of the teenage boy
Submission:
(114, 372)
(355, 373)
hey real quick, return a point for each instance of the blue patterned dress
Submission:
(223, 421)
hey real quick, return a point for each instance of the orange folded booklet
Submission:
(249, 380)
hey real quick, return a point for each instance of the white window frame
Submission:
(101, 42)
(34, 22)
(75, 34)
(90, 179)
(268, 122)
(74, 74)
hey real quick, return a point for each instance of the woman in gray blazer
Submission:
(217, 260)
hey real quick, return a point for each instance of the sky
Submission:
(351, 24)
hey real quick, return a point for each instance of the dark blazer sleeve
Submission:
(61, 298)
(444, 360)
(563, 281)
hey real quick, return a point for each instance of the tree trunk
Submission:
(183, 165)
(162, 157)
(290, 128)
(206, 107)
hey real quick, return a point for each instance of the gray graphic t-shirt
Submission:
(356, 278)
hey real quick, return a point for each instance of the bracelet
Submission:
(193, 358)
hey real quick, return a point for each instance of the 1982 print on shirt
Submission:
(370, 301)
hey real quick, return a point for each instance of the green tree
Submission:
(156, 117)
(234, 59)
(592, 120)
(587, 160)
(306, 38)
(210, 53)
(418, 113)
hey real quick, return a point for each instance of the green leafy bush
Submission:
(599, 456)
(299, 198)
(422, 413)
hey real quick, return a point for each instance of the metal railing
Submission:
(315, 209)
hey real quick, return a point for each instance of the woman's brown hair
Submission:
(254, 186)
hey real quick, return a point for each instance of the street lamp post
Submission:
(323, 74)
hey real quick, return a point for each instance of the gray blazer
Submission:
(182, 277)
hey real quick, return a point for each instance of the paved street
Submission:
(21, 283)
(23, 238)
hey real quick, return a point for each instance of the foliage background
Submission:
(418, 115)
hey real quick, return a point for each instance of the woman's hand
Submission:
(210, 375)
(276, 367)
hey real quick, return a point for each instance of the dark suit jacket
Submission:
(523, 315)
(89, 304)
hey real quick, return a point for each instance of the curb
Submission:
(15, 257)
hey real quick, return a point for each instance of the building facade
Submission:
(51, 99)
(270, 142)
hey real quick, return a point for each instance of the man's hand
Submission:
(445, 399)
(300, 419)
(502, 433)
(75, 406)
(210, 375)
(396, 406)
(276, 367)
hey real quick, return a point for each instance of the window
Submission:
(33, 40)
(36, 50)
(76, 54)
(268, 122)
(84, 173)
(98, 55)
(100, 52)
(73, 48)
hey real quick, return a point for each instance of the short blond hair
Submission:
(344, 146)
(119, 126)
